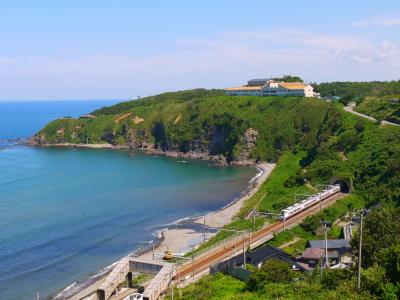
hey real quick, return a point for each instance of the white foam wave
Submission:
(258, 175)
(62, 293)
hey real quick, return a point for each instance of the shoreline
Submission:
(71, 145)
(197, 155)
(226, 214)
(181, 236)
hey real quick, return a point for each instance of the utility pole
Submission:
(254, 220)
(234, 255)
(204, 229)
(193, 267)
(171, 284)
(244, 251)
(326, 247)
(269, 214)
(249, 239)
(360, 251)
(320, 203)
(326, 265)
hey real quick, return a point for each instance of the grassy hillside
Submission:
(358, 89)
(234, 127)
(381, 108)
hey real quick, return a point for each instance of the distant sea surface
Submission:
(67, 213)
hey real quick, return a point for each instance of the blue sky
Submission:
(124, 49)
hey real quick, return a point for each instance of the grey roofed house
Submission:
(258, 256)
(317, 253)
(332, 244)
(258, 82)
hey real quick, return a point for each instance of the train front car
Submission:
(283, 215)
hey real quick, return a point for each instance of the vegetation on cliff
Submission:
(237, 128)
(381, 108)
(358, 89)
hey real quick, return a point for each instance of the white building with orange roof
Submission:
(270, 87)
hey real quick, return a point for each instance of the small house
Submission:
(339, 251)
(257, 257)
(88, 116)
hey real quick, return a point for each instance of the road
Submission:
(350, 109)
(216, 255)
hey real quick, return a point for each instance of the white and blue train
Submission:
(290, 211)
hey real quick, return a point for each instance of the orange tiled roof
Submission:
(293, 85)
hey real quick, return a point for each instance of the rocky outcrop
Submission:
(37, 140)
(137, 138)
(216, 146)
(210, 150)
(249, 140)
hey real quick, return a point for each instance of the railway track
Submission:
(202, 263)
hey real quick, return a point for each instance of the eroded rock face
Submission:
(137, 138)
(217, 139)
(218, 144)
(37, 139)
(212, 149)
(249, 139)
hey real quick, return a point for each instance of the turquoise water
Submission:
(65, 214)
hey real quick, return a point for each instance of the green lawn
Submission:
(274, 194)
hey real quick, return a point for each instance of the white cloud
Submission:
(378, 21)
(388, 49)
(295, 44)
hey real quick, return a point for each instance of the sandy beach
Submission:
(89, 146)
(225, 215)
(179, 241)
(183, 240)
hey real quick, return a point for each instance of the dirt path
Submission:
(296, 239)
(350, 108)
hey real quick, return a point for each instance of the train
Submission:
(290, 211)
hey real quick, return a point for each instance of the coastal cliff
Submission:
(200, 123)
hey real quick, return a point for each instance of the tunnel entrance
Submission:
(344, 185)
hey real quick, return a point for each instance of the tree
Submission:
(373, 280)
(347, 99)
(333, 278)
(289, 78)
(391, 263)
(272, 271)
(348, 140)
(381, 230)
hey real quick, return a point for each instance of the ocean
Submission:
(65, 214)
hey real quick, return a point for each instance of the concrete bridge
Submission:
(122, 275)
